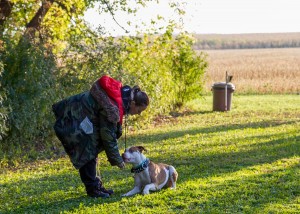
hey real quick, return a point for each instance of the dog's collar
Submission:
(141, 167)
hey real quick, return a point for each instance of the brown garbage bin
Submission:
(219, 91)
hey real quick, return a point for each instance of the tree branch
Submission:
(113, 15)
(36, 21)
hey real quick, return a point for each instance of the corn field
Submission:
(258, 71)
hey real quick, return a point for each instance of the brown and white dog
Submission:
(147, 174)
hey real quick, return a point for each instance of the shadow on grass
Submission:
(48, 194)
(61, 205)
(201, 165)
(251, 194)
(188, 113)
(152, 138)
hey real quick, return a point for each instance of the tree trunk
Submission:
(35, 23)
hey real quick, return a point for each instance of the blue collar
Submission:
(141, 167)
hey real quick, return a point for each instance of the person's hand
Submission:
(121, 165)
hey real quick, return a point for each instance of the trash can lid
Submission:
(221, 85)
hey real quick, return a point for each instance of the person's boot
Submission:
(108, 191)
(95, 192)
(103, 189)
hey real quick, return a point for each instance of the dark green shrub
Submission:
(28, 80)
(188, 69)
(3, 110)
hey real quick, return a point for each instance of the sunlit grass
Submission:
(246, 160)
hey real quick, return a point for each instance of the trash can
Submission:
(219, 98)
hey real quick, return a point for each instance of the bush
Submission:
(166, 67)
(187, 70)
(28, 81)
(3, 110)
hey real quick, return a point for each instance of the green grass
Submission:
(246, 160)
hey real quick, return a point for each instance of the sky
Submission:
(212, 17)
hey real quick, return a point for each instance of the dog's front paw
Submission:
(146, 192)
(128, 194)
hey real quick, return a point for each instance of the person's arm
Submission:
(108, 135)
(119, 130)
(113, 114)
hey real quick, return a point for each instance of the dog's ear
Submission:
(141, 149)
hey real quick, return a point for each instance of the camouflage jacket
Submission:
(106, 129)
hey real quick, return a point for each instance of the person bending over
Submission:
(91, 122)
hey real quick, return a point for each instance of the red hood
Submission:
(113, 89)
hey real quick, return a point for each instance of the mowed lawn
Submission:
(246, 160)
